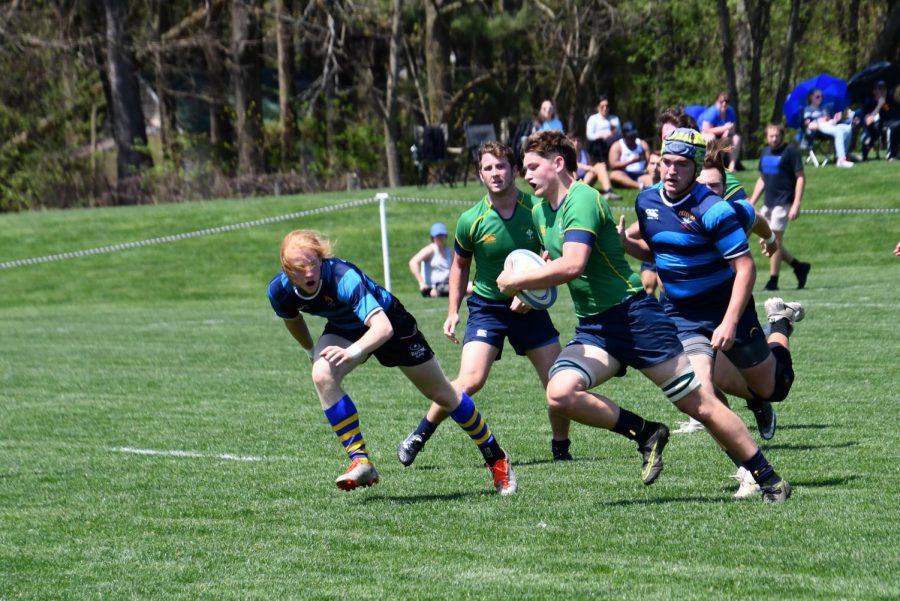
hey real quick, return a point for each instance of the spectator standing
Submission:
(720, 121)
(781, 177)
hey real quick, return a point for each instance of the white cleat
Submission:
(689, 427)
(777, 309)
(361, 473)
(748, 487)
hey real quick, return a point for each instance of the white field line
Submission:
(188, 454)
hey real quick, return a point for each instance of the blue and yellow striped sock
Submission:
(470, 420)
(344, 420)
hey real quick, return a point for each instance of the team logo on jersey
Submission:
(652, 213)
(488, 238)
(543, 230)
(328, 300)
(529, 233)
(416, 350)
(687, 218)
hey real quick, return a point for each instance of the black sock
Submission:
(737, 462)
(633, 426)
(782, 326)
(491, 452)
(762, 470)
(773, 280)
(560, 447)
(426, 429)
(794, 262)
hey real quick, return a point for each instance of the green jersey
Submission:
(584, 216)
(483, 234)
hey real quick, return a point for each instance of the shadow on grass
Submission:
(425, 498)
(808, 447)
(547, 460)
(666, 500)
(841, 481)
(805, 426)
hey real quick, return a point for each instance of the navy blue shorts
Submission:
(492, 321)
(636, 332)
(695, 319)
(406, 348)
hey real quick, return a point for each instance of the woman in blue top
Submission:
(365, 319)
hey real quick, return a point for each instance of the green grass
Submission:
(174, 347)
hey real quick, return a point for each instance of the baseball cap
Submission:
(688, 143)
(628, 129)
(438, 229)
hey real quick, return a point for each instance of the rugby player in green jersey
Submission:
(619, 325)
(486, 233)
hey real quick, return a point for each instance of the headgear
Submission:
(688, 143)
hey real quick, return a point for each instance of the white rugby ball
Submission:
(522, 261)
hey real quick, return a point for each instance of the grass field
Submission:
(174, 348)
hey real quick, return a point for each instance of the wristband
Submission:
(354, 351)
(771, 238)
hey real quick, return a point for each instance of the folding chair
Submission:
(431, 151)
(476, 135)
(807, 139)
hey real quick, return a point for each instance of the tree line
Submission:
(245, 97)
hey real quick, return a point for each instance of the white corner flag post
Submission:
(382, 198)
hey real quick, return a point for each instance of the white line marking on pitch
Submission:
(190, 454)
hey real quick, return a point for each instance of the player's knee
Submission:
(784, 374)
(469, 383)
(561, 391)
(323, 375)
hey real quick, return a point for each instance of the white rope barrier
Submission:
(329, 209)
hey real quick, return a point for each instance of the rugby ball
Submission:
(522, 261)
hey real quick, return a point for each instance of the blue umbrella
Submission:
(834, 93)
(695, 110)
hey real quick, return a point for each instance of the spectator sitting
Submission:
(628, 158)
(651, 177)
(880, 114)
(547, 117)
(588, 171)
(431, 265)
(602, 130)
(820, 119)
(719, 121)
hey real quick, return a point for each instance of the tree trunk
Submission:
(728, 57)
(760, 14)
(285, 43)
(887, 45)
(168, 131)
(246, 50)
(221, 130)
(437, 56)
(787, 61)
(390, 100)
(852, 37)
(743, 45)
(128, 116)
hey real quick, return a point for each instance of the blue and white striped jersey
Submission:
(346, 296)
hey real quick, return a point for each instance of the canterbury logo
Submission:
(488, 238)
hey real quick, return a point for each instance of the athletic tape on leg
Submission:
(680, 385)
